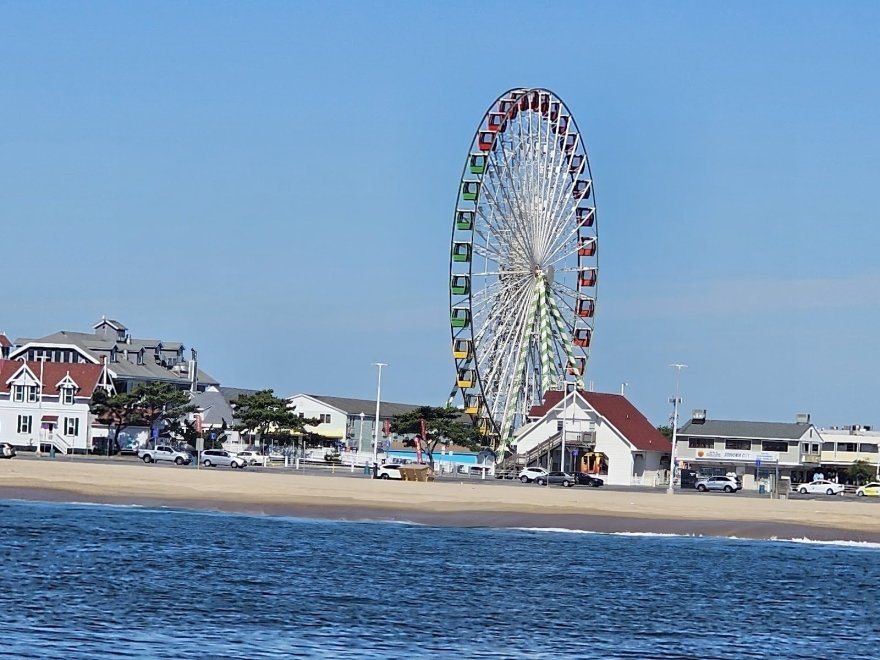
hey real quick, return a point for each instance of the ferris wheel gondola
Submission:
(523, 260)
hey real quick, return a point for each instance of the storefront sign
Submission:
(737, 456)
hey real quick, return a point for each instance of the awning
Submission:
(49, 418)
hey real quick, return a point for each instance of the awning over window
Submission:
(49, 418)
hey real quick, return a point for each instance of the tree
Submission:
(145, 405)
(665, 431)
(259, 412)
(861, 472)
(158, 402)
(117, 411)
(442, 426)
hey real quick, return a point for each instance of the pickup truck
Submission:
(164, 453)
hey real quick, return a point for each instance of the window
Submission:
(67, 396)
(558, 425)
(325, 419)
(302, 415)
(815, 448)
(827, 446)
(742, 445)
(701, 443)
(772, 445)
(18, 392)
(24, 423)
(868, 447)
(71, 426)
(847, 446)
(32, 393)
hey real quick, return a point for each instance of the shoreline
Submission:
(446, 504)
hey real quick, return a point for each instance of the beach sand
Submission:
(449, 502)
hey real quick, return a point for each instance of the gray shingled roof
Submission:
(719, 428)
(231, 394)
(215, 408)
(357, 406)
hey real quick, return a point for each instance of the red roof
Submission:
(620, 413)
(86, 376)
(4, 341)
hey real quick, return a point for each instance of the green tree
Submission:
(262, 411)
(145, 405)
(861, 472)
(665, 431)
(116, 411)
(443, 425)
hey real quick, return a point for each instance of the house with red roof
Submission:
(46, 404)
(602, 434)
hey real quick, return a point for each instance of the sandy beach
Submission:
(453, 503)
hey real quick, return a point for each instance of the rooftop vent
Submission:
(802, 418)
(698, 416)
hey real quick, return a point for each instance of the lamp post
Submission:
(376, 426)
(361, 434)
(675, 403)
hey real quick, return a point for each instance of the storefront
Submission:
(758, 470)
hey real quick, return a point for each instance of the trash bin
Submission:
(761, 489)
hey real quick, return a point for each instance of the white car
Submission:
(252, 457)
(529, 474)
(821, 487)
(221, 457)
(389, 471)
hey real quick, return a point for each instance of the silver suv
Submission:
(221, 457)
(725, 484)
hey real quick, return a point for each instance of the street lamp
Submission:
(675, 403)
(376, 427)
(361, 434)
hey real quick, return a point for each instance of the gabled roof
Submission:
(116, 325)
(357, 406)
(619, 412)
(4, 341)
(719, 428)
(86, 376)
(214, 406)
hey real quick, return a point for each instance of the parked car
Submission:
(585, 479)
(252, 457)
(726, 484)
(222, 458)
(389, 471)
(822, 486)
(563, 478)
(529, 474)
(869, 490)
(164, 453)
(6, 450)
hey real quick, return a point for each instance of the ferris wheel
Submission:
(523, 265)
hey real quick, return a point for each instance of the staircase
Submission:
(61, 444)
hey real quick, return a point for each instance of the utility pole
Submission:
(675, 403)
(376, 426)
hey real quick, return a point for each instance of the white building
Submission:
(604, 435)
(46, 404)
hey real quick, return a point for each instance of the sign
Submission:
(737, 456)
(575, 451)
(757, 462)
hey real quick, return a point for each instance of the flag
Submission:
(386, 428)
(198, 422)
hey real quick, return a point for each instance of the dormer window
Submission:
(140, 356)
(18, 392)
(67, 396)
(31, 393)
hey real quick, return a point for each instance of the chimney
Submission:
(194, 370)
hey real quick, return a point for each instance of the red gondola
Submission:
(585, 308)
(496, 122)
(587, 277)
(586, 246)
(582, 188)
(582, 337)
(486, 140)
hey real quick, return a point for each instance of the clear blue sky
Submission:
(273, 183)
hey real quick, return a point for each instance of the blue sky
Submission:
(273, 183)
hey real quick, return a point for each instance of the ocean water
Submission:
(92, 581)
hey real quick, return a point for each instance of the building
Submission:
(604, 434)
(757, 452)
(46, 404)
(844, 445)
(351, 421)
(130, 361)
